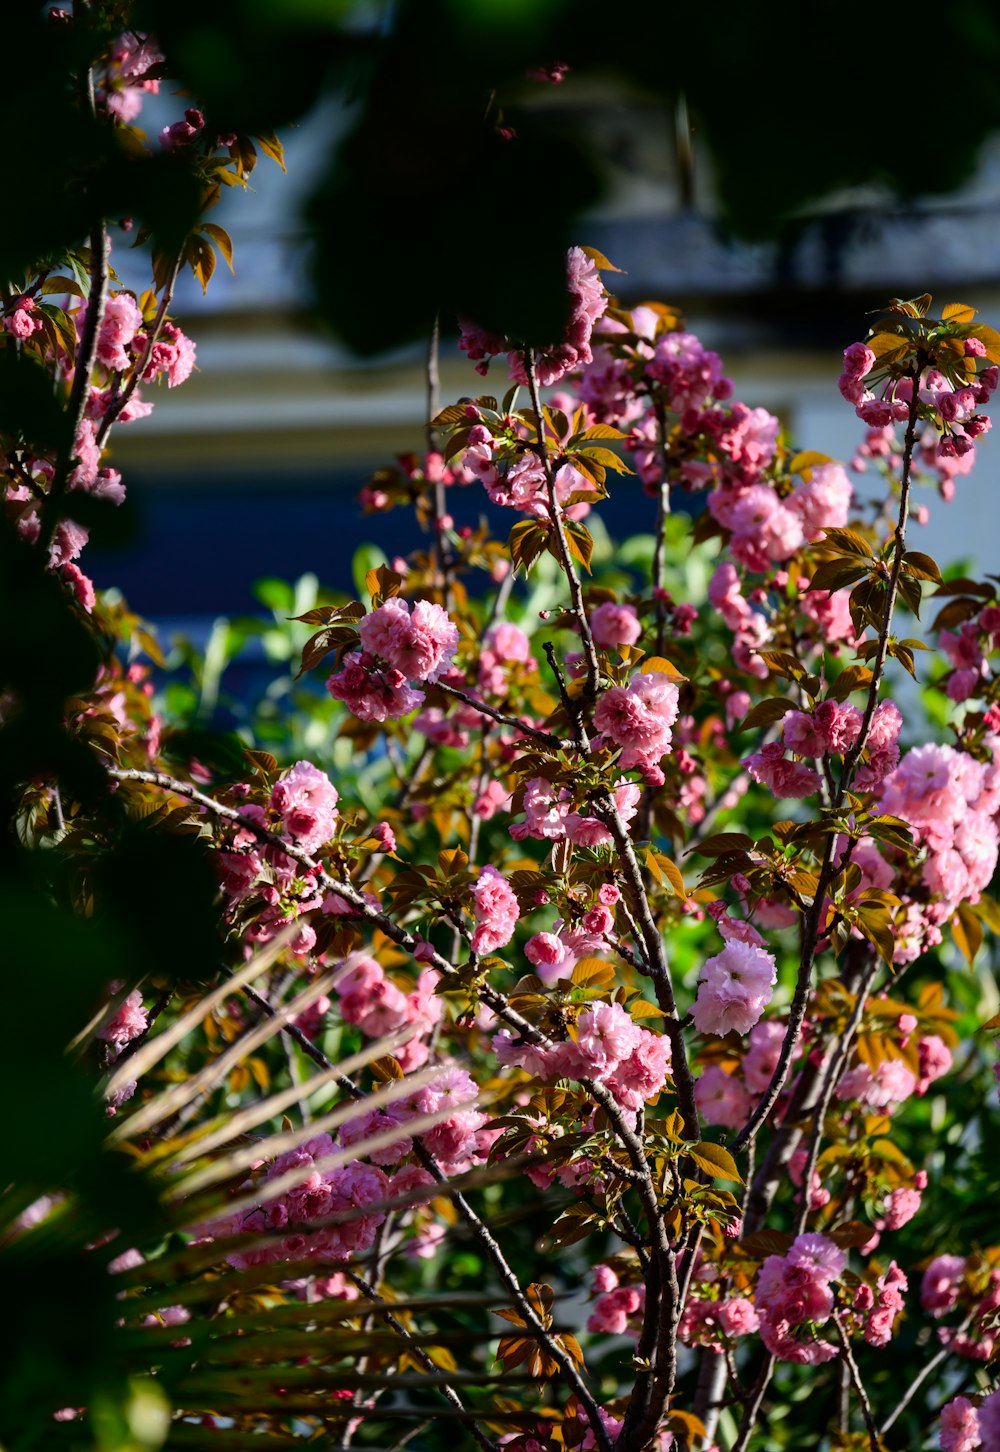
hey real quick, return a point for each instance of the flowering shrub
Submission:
(551, 968)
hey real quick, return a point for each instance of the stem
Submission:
(545, 738)
(656, 959)
(344, 889)
(562, 544)
(862, 1395)
(84, 366)
(899, 546)
(752, 1406)
(482, 1233)
(797, 1012)
(418, 1354)
(922, 1376)
(831, 1078)
(439, 503)
(117, 405)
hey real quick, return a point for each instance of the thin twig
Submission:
(555, 743)
(927, 1370)
(86, 356)
(752, 1405)
(345, 889)
(859, 1389)
(118, 404)
(562, 543)
(418, 1354)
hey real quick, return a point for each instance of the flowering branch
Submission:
(79, 392)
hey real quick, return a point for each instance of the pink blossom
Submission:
(496, 910)
(544, 949)
(823, 501)
(721, 1098)
(959, 1426)
(989, 1422)
(22, 322)
(734, 988)
(940, 1285)
(935, 1059)
(612, 625)
(605, 1036)
(643, 1073)
(900, 1207)
(122, 320)
(372, 694)
(494, 798)
(420, 645)
(508, 643)
(771, 768)
(307, 801)
(639, 716)
(128, 1021)
(761, 1060)
(737, 1316)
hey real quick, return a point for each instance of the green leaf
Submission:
(850, 541)
(722, 842)
(921, 566)
(222, 240)
(581, 543)
(835, 574)
(766, 712)
(526, 542)
(851, 678)
(715, 1161)
(807, 459)
(967, 932)
(606, 459)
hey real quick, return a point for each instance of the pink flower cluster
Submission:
(514, 477)
(880, 1306)
(715, 1323)
(307, 801)
(456, 1142)
(504, 645)
(549, 814)
(749, 626)
(129, 1020)
(413, 646)
(793, 1298)
(22, 319)
(955, 408)
(609, 1048)
(612, 625)
(944, 1283)
(959, 1426)
(639, 718)
(967, 651)
(418, 643)
(319, 1193)
(587, 302)
(734, 988)
(689, 373)
(950, 801)
(765, 529)
(832, 729)
(377, 1006)
(126, 78)
(496, 911)
(618, 1308)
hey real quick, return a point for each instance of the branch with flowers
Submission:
(617, 933)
